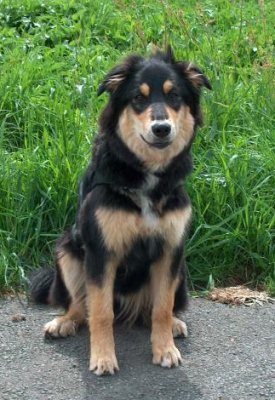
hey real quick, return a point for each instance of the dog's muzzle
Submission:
(160, 135)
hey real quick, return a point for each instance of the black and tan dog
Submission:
(123, 256)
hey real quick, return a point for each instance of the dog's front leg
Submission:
(164, 286)
(101, 317)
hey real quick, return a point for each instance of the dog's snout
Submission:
(161, 129)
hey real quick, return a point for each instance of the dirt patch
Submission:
(239, 295)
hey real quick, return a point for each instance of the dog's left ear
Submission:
(194, 75)
(118, 75)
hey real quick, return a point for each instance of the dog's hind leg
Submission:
(179, 327)
(72, 274)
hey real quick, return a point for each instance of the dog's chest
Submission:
(149, 211)
(120, 228)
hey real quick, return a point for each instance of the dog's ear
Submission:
(118, 75)
(194, 75)
(170, 58)
(166, 56)
(113, 79)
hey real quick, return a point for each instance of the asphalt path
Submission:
(229, 354)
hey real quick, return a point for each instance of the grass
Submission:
(53, 56)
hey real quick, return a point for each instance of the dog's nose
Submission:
(161, 130)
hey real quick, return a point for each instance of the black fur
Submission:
(59, 294)
(134, 270)
(40, 283)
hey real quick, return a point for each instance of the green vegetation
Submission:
(53, 55)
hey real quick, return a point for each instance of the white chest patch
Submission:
(148, 213)
(150, 216)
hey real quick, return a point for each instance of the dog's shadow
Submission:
(137, 378)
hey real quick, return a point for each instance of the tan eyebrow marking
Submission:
(167, 86)
(145, 89)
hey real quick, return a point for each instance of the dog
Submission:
(123, 257)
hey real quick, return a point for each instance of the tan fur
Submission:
(114, 82)
(136, 304)
(73, 275)
(101, 316)
(165, 352)
(131, 126)
(145, 89)
(167, 86)
(143, 119)
(74, 278)
(121, 228)
(194, 76)
(184, 124)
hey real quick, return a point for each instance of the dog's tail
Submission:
(47, 287)
(40, 285)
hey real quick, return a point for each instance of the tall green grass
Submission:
(53, 56)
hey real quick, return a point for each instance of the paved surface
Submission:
(229, 354)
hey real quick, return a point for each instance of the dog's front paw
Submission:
(60, 327)
(167, 356)
(104, 364)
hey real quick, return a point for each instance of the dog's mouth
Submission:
(161, 144)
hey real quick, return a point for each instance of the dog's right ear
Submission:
(194, 75)
(119, 74)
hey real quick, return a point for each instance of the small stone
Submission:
(18, 318)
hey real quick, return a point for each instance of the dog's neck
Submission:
(147, 189)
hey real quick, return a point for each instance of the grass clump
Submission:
(53, 56)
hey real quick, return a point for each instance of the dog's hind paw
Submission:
(179, 328)
(60, 327)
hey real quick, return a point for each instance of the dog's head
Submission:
(154, 106)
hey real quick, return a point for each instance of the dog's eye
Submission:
(139, 99)
(173, 96)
